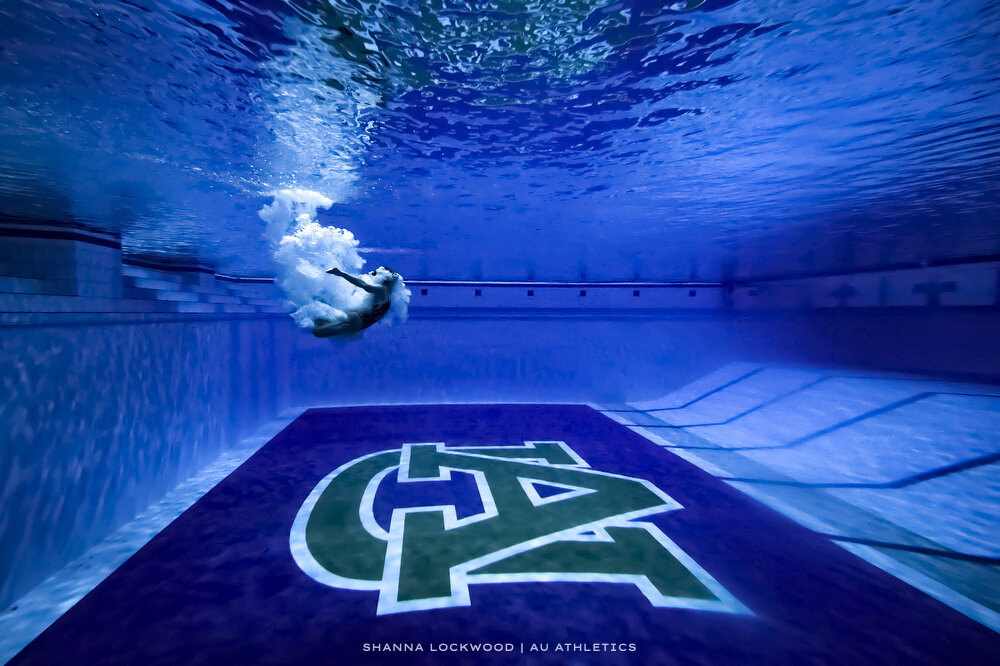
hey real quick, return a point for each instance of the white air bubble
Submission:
(304, 250)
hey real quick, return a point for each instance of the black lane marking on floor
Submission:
(849, 422)
(717, 389)
(936, 552)
(936, 473)
(761, 406)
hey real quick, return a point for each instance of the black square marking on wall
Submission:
(423, 292)
(531, 292)
(635, 292)
(692, 292)
(479, 292)
(583, 292)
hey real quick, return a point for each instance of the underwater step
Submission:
(240, 309)
(140, 273)
(223, 298)
(158, 295)
(149, 283)
(262, 302)
(15, 285)
(204, 308)
(915, 455)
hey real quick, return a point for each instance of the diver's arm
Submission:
(360, 284)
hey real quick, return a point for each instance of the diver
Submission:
(376, 304)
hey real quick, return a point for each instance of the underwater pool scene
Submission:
(500, 332)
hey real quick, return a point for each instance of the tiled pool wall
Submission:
(119, 380)
(102, 419)
(617, 358)
(122, 376)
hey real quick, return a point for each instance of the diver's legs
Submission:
(324, 328)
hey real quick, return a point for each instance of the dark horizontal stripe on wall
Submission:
(521, 284)
(167, 266)
(417, 311)
(908, 265)
(244, 280)
(59, 234)
(37, 319)
(59, 223)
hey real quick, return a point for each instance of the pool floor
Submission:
(568, 534)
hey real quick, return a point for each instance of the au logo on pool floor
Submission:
(547, 517)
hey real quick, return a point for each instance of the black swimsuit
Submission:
(376, 313)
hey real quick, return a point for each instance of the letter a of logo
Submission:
(547, 517)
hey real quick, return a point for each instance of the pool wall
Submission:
(607, 358)
(104, 419)
(123, 377)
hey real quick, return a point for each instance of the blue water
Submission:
(763, 235)
(552, 140)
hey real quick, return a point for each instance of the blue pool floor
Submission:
(900, 472)
(903, 472)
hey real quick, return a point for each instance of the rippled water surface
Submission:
(542, 138)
